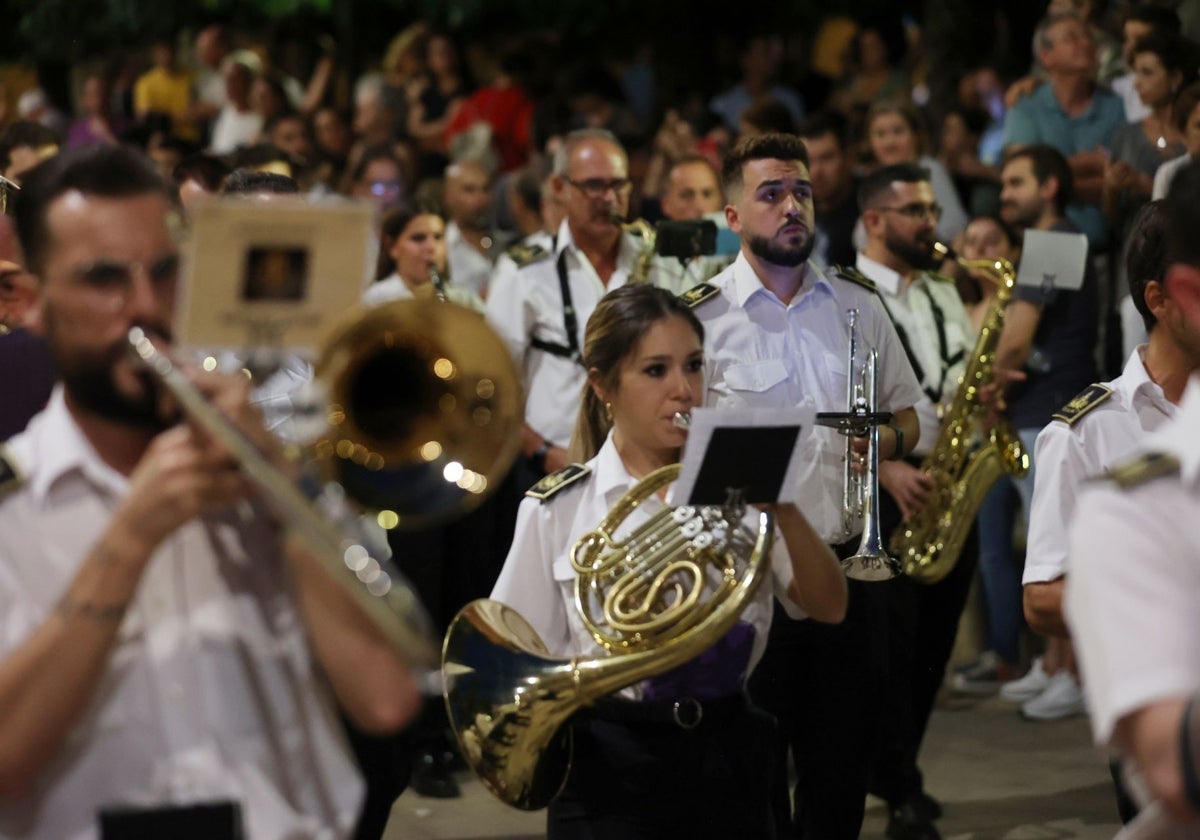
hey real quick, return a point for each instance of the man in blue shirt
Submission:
(1071, 113)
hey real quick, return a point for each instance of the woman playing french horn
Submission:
(642, 767)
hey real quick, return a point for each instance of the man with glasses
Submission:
(900, 217)
(541, 304)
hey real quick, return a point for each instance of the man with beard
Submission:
(167, 652)
(540, 305)
(900, 216)
(471, 245)
(1050, 336)
(776, 334)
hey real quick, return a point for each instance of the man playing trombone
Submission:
(776, 335)
(166, 651)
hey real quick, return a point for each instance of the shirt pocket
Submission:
(757, 383)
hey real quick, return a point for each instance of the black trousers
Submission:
(921, 624)
(634, 779)
(822, 682)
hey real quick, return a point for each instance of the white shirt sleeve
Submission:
(1130, 599)
(527, 581)
(509, 312)
(1062, 464)
(898, 385)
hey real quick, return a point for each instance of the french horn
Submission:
(510, 702)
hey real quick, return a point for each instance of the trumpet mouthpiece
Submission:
(682, 420)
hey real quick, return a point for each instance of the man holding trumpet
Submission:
(776, 330)
(167, 652)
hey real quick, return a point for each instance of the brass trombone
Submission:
(417, 431)
(860, 490)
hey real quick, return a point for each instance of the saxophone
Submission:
(645, 258)
(962, 472)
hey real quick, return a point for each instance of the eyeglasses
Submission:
(916, 212)
(599, 187)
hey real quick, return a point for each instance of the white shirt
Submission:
(1134, 579)
(538, 239)
(538, 580)
(763, 353)
(233, 128)
(911, 307)
(676, 277)
(1135, 109)
(393, 288)
(1165, 174)
(210, 691)
(468, 267)
(1068, 455)
(527, 302)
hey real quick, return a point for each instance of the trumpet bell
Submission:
(872, 568)
(424, 410)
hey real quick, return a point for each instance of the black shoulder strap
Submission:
(570, 319)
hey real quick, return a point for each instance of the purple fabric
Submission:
(80, 133)
(718, 672)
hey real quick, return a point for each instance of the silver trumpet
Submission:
(860, 491)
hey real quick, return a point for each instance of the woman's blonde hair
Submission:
(616, 326)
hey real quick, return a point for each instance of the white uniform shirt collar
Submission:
(626, 255)
(887, 279)
(60, 448)
(1136, 381)
(746, 282)
(611, 477)
(1180, 436)
(454, 235)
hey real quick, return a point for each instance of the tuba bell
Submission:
(419, 431)
(510, 701)
(424, 410)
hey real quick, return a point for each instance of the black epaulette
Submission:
(524, 255)
(852, 275)
(11, 477)
(696, 295)
(1142, 469)
(557, 481)
(1085, 401)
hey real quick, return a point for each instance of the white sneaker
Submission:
(1028, 687)
(1062, 698)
